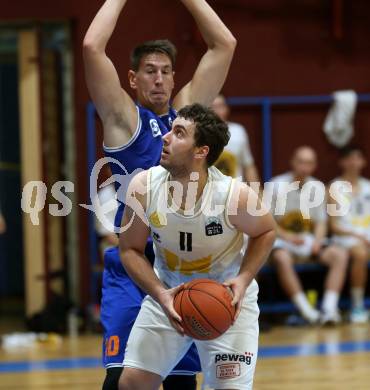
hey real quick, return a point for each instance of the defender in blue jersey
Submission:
(133, 136)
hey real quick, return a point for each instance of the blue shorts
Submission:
(120, 305)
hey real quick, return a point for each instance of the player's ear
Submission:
(173, 80)
(201, 152)
(132, 79)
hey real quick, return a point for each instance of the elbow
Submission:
(225, 43)
(127, 255)
(232, 42)
(124, 254)
(272, 234)
(89, 45)
(229, 42)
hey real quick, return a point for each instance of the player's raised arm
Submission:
(212, 70)
(115, 107)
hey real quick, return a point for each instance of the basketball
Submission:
(205, 308)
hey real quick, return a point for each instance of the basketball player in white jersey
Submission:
(198, 233)
(352, 231)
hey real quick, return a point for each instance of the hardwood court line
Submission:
(299, 350)
(52, 364)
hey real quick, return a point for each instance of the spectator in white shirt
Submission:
(352, 231)
(302, 236)
(236, 160)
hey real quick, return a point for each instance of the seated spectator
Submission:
(352, 231)
(302, 236)
(236, 160)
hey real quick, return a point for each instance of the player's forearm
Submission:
(256, 255)
(141, 272)
(213, 30)
(103, 25)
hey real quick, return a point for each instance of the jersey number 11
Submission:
(186, 241)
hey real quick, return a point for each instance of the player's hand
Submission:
(294, 238)
(237, 286)
(166, 301)
(316, 247)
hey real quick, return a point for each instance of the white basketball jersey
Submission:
(197, 244)
(358, 218)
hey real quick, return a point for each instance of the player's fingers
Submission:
(236, 297)
(177, 326)
(174, 314)
(229, 284)
(177, 289)
(237, 311)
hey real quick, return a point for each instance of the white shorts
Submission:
(303, 250)
(346, 242)
(227, 362)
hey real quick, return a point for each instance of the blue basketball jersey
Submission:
(142, 151)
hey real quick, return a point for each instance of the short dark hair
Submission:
(163, 46)
(349, 149)
(210, 129)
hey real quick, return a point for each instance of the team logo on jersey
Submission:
(170, 121)
(234, 357)
(156, 131)
(157, 219)
(213, 227)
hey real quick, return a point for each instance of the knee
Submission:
(338, 257)
(281, 258)
(125, 383)
(360, 254)
(130, 380)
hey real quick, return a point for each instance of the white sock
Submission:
(307, 311)
(330, 301)
(357, 295)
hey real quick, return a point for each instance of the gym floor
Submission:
(289, 358)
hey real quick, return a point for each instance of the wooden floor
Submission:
(323, 359)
